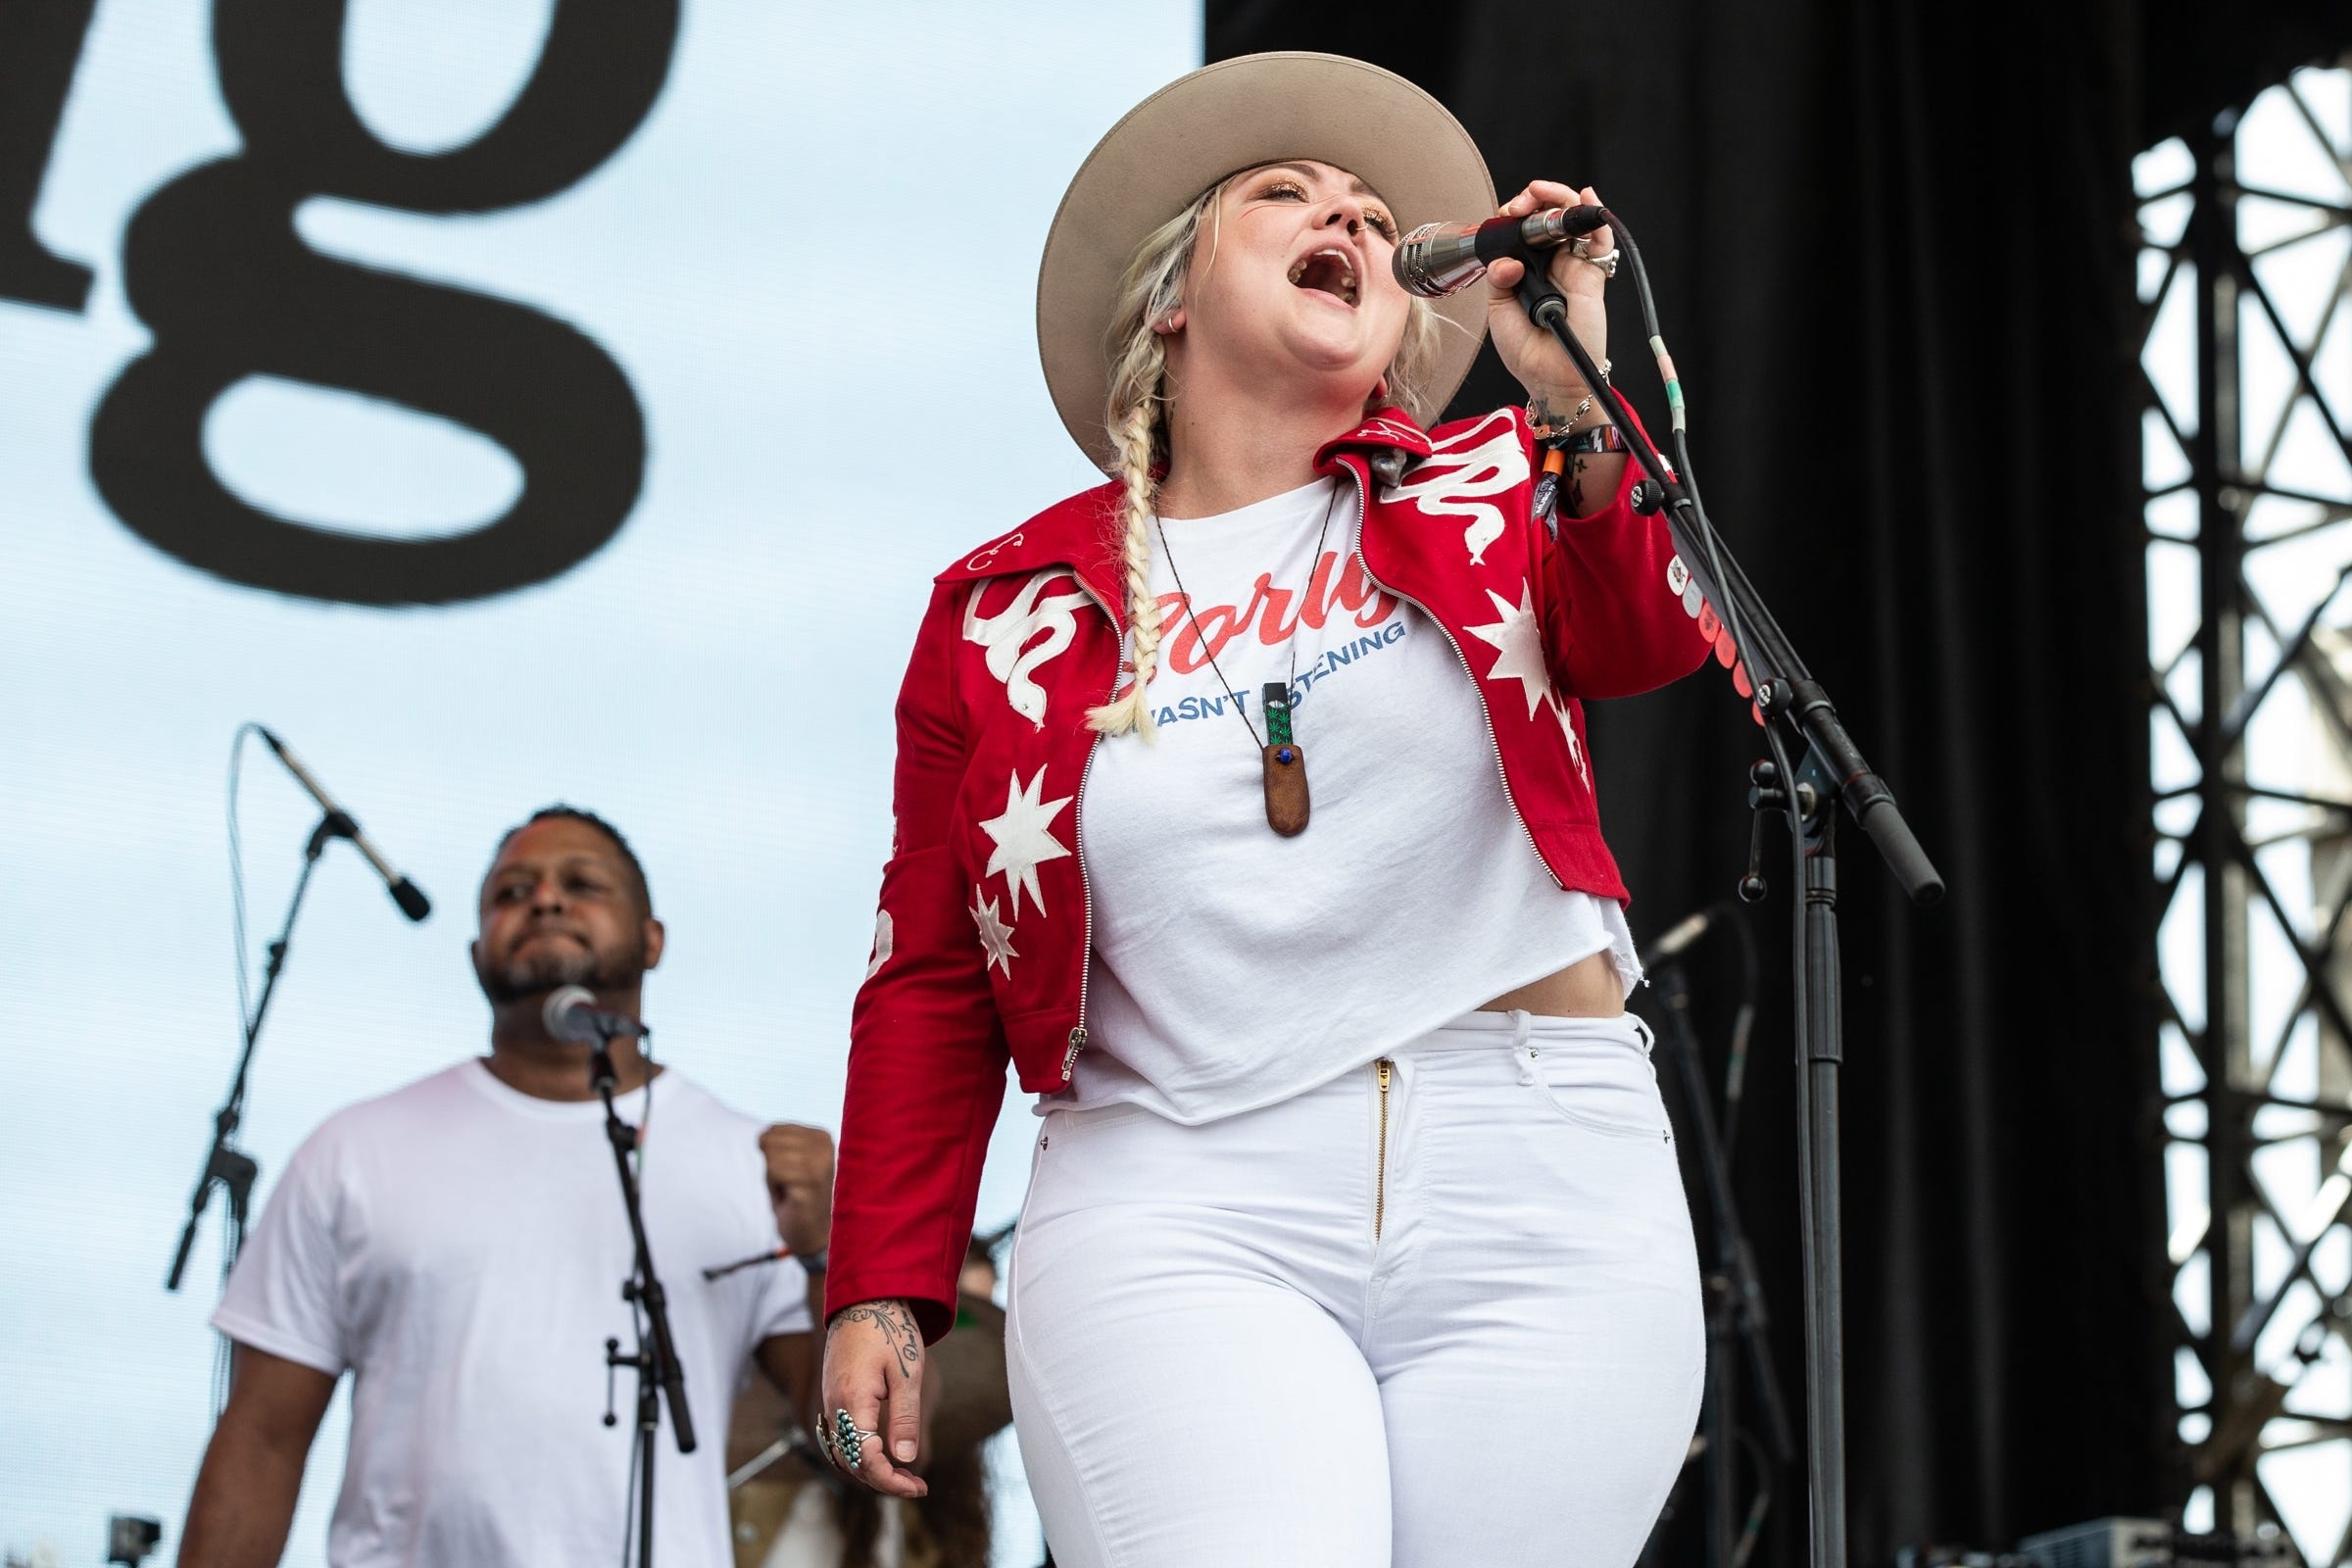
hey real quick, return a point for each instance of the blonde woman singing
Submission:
(1244, 802)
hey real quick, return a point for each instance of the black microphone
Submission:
(405, 893)
(570, 1014)
(1438, 259)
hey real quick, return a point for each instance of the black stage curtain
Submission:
(2196, 69)
(1892, 245)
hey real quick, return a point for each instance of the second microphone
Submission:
(570, 1014)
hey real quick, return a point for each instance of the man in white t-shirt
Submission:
(460, 1247)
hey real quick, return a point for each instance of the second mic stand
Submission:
(1834, 771)
(1735, 1317)
(227, 1167)
(659, 1373)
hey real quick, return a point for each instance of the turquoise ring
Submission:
(848, 1439)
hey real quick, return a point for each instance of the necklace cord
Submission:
(1322, 534)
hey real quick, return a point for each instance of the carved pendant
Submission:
(1284, 765)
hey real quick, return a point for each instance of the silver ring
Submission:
(1606, 260)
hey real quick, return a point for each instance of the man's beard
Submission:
(536, 974)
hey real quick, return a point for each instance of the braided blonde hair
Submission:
(1135, 416)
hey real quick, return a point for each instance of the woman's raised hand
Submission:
(874, 1370)
(1540, 364)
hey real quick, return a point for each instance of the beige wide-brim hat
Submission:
(1220, 120)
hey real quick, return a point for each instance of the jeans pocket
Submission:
(1073, 1124)
(1608, 1090)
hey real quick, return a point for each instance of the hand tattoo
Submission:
(897, 1323)
(1576, 487)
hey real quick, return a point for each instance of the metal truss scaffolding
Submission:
(2246, 289)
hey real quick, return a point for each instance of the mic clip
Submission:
(334, 824)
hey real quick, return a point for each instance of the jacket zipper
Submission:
(1086, 906)
(1380, 1187)
(1086, 895)
(1484, 710)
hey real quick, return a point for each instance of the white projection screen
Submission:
(593, 442)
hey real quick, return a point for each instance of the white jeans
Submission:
(1216, 1360)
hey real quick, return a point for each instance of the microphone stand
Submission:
(1734, 1295)
(225, 1167)
(660, 1372)
(1833, 771)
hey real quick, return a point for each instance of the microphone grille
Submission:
(411, 898)
(565, 1012)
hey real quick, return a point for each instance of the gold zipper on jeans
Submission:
(1380, 1189)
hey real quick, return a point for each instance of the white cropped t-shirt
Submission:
(1232, 967)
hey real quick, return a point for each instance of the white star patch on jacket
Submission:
(1519, 646)
(1025, 839)
(996, 937)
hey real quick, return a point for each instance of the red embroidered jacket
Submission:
(981, 946)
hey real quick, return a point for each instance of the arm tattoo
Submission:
(897, 1323)
(1576, 487)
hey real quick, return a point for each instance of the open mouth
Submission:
(1328, 271)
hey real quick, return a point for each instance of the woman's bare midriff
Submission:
(1587, 989)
